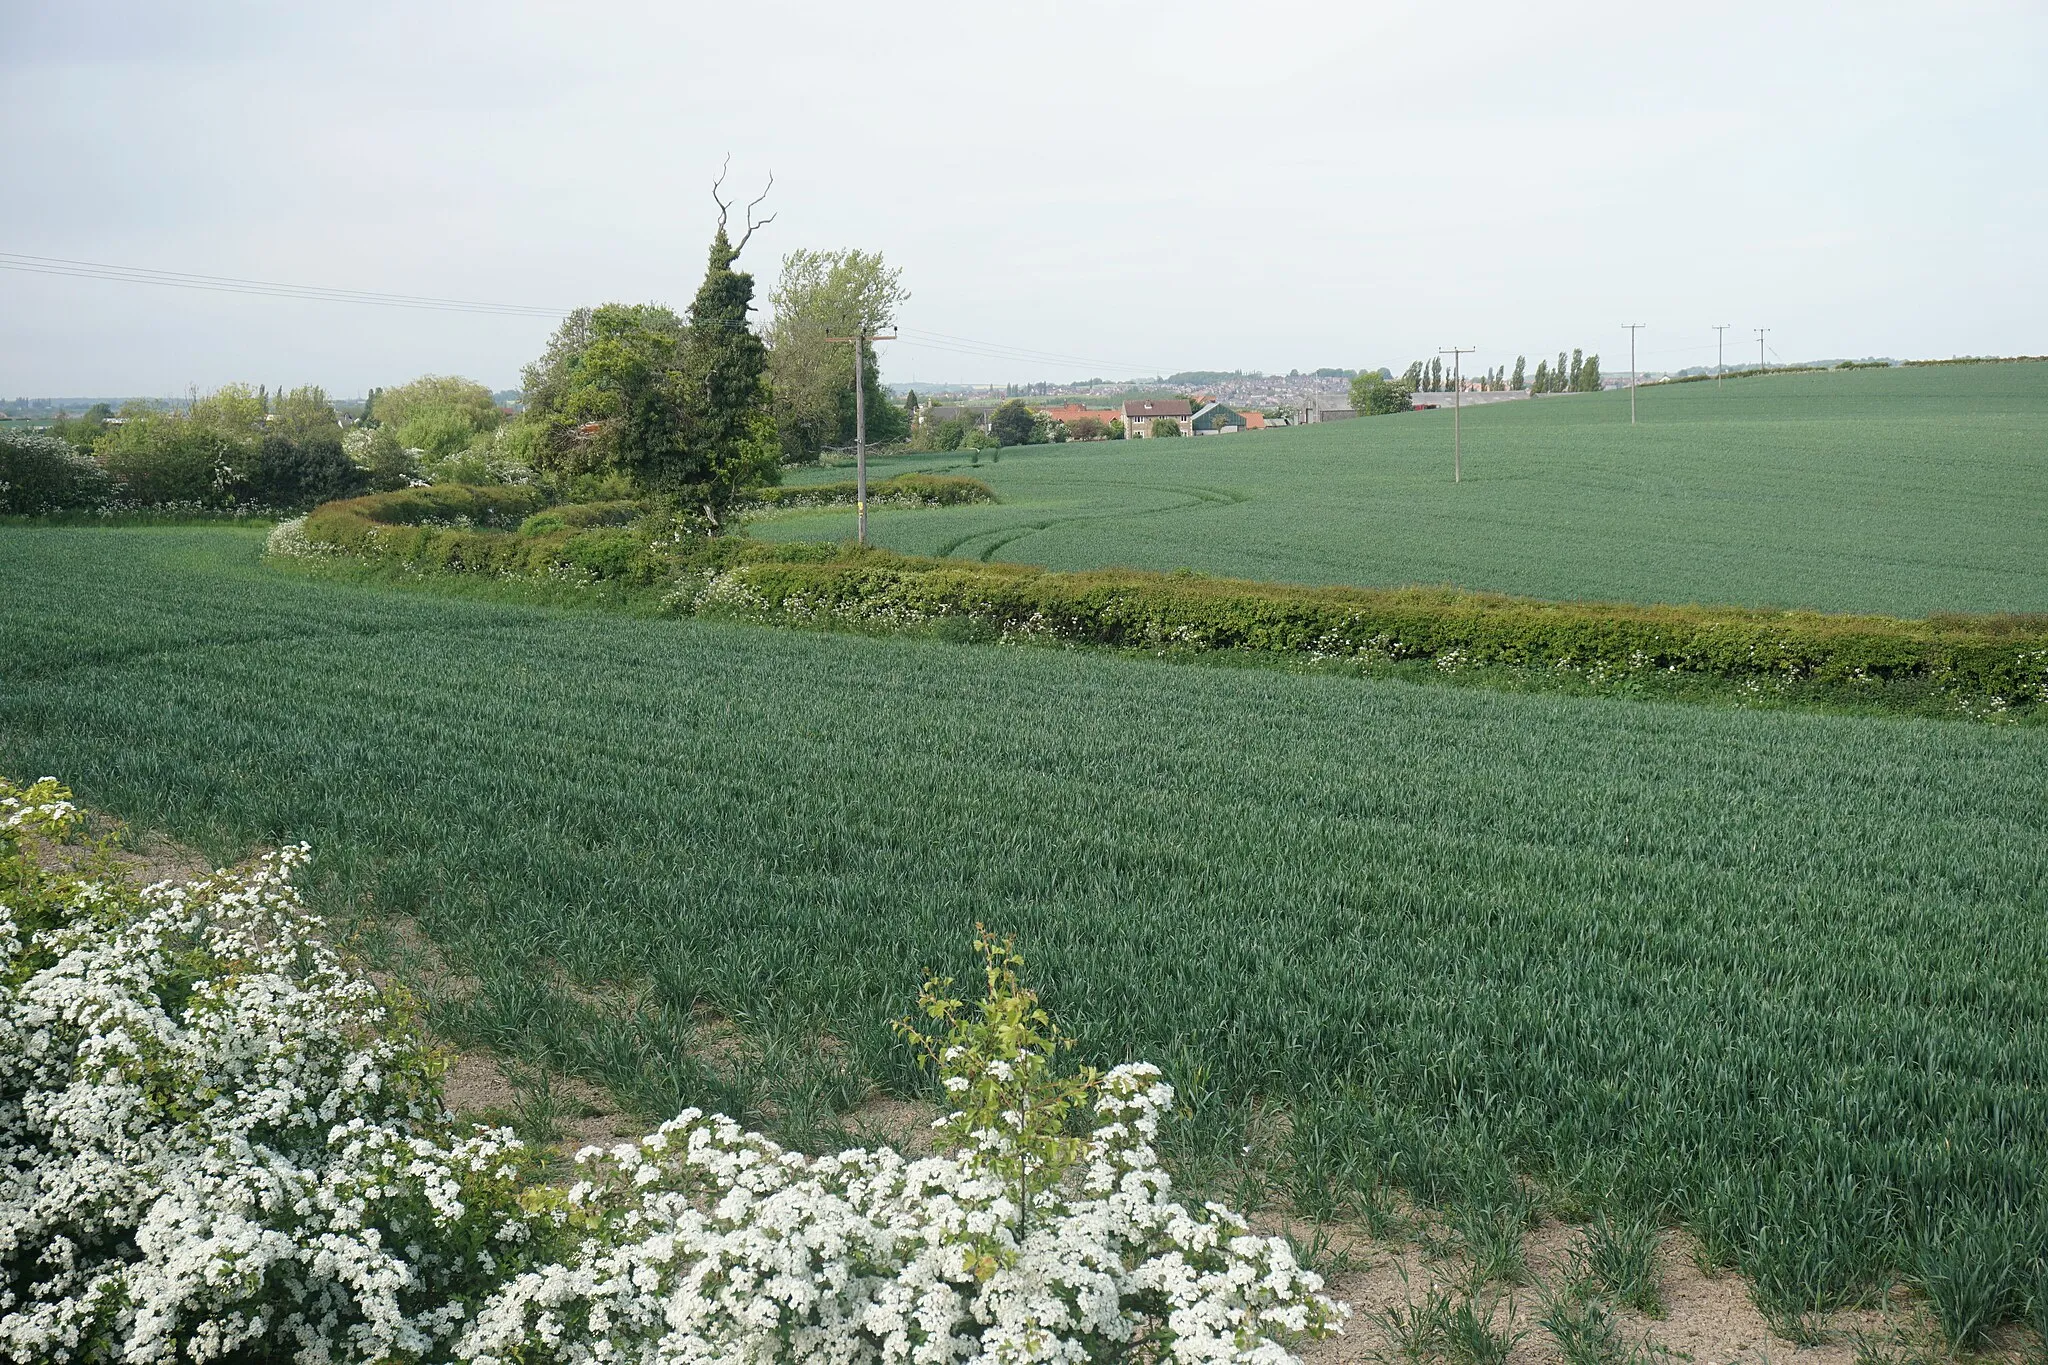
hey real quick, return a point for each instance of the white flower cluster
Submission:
(216, 1143)
(289, 540)
(209, 1137)
(707, 1243)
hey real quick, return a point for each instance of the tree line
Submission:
(1579, 374)
(626, 399)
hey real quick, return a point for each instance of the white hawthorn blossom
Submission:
(214, 1137)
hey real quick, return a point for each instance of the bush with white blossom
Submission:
(219, 1143)
(216, 1142)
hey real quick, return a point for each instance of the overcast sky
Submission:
(1126, 188)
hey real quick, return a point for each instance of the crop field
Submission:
(1781, 976)
(1903, 492)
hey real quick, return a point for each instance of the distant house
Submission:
(1329, 410)
(1215, 420)
(1140, 413)
(1074, 412)
(1254, 421)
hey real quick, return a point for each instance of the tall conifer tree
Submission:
(728, 432)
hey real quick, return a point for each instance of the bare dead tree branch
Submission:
(723, 207)
(753, 226)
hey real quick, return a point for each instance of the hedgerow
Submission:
(1993, 665)
(217, 1142)
(904, 490)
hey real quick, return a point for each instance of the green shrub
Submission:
(492, 530)
(577, 516)
(292, 474)
(40, 474)
(907, 490)
(167, 458)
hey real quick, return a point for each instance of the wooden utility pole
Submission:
(1633, 328)
(860, 340)
(1457, 397)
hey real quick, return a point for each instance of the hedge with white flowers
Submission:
(217, 1142)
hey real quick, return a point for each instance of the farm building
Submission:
(1214, 420)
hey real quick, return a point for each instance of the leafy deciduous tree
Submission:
(825, 294)
(1013, 424)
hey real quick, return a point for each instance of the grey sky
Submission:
(1138, 186)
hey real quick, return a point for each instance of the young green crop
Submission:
(1902, 492)
(1777, 977)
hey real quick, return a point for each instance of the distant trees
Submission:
(1165, 426)
(1116, 429)
(1576, 373)
(225, 450)
(1088, 429)
(306, 414)
(83, 430)
(1373, 396)
(437, 414)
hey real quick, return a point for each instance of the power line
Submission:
(232, 284)
(68, 267)
(1720, 336)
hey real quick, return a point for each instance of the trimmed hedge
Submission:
(1985, 665)
(494, 530)
(904, 490)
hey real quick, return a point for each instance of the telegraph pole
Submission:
(1457, 397)
(1720, 338)
(1761, 363)
(860, 340)
(1633, 328)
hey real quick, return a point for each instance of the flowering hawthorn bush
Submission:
(217, 1143)
(214, 1142)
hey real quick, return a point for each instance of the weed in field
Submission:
(1585, 1331)
(1492, 1237)
(1444, 1327)
(1619, 1257)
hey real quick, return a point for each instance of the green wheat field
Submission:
(1904, 492)
(1778, 976)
